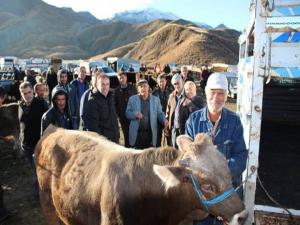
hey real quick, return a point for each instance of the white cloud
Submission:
(101, 8)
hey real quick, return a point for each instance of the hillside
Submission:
(104, 37)
(183, 44)
(33, 28)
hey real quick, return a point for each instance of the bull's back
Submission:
(69, 164)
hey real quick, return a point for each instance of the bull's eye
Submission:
(185, 179)
(208, 187)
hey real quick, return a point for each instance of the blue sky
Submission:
(233, 13)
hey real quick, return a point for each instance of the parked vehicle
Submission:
(268, 103)
(232, 84)
(7, 75)
(97, 64)
(117, 63)
(108, 71)
(91, 65)
(113, 76)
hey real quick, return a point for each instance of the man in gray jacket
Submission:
(144, 111)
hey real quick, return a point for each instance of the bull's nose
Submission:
(239, 218)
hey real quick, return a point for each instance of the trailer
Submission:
(268, 103)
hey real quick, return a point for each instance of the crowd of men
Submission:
(148, 118)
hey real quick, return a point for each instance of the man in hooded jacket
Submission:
(59, 113)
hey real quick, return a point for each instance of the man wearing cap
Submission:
(175, 101)
(225, 128)
(144, 112)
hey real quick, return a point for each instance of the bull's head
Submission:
(204, 170)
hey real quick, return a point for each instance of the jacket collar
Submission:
(204, 116)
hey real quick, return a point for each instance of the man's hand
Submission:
(139, 115)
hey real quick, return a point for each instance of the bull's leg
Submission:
(48, 208)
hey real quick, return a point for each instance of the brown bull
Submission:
(10, 125)
(86, 179)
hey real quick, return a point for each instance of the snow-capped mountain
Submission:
(143, 16)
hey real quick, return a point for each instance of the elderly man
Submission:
(144, 112)
(185, 74)
(190, 104)
(175, 101)
(223, 125)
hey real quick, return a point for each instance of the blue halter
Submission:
(213, 201)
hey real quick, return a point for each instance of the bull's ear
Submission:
(183, 142)
(203, 139)
(170, 176)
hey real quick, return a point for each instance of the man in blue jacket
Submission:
(144, 112)
(225, 128)
(73, 104)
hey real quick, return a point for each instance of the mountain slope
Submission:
(33, 26)
(187, 45)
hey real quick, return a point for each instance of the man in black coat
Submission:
(32, 109)
(101, 112)
(51, 80)
(122, 94)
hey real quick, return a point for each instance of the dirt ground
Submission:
(17, 181)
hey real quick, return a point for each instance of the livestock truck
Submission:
(268, 104)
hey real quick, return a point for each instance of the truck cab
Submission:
(268, 103)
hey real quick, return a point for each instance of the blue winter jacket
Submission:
(156, 115)
(228, 138)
